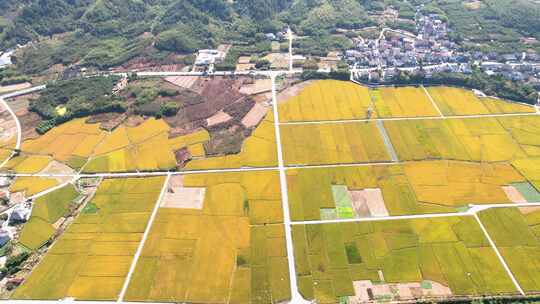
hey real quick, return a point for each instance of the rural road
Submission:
(17, 122)
(296, 297)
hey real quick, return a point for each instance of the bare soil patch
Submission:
(55, 167)
(178, 196)
(257, 87)
(182, 81)
(14, 87)
(218, 118)
(514, 195)
(254, 116)
(226, 141)
(368, 203)
(108, 121)
(292, 91)
(366, 291)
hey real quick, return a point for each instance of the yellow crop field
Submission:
(500, 106)
(402, 102)
(451, 252)
(180, 263)
(457, 184)
(515, 233)
(28, 164)
(326, 100)
(32, 185)
(472, 139)
(116, 140)
(149, 128)
(526, 131)
(144, 156)
(456, 101)
(196, 150)
(410, 188)
(259, 150)
(91, 259)
(332, 143)
(530, 168)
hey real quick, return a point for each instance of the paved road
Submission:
(143, 240)
(296, 297)
(17, 122)
(19, 130)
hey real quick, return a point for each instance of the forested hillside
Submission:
(107, 33)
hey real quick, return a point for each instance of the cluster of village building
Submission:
(432, 50)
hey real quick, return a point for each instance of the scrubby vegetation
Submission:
(80, 97)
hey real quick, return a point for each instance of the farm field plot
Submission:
(230, 249)
(32, 185)
(332, 143)
(457, 101)
(47, 210)
(470, 139)
(516, 233)
(258, 150)
(526, 132)
(402, 102)
(396, 260)
(327, 100)
(91, 259)
(84, 146)
(411, 188)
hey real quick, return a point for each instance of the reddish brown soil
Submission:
(29, 122)
(108, 121)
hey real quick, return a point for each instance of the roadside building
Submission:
(20, 214)
(208, 57)
(5, 237)
(5, 59)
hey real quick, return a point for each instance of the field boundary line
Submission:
(501, 259)
(339, 121)
(432, 101)
(387, 142)
(382, 218)
(143, 240)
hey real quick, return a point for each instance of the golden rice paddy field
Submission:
(91, 259)
(412, 188)
(332, 143)
(443, 256)
(86, 147)
(516, 233)
(32, 185)
(456, 101)
(232, 250)
(402, 102)
(340, 100)
(327, 100)
(472, 139)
